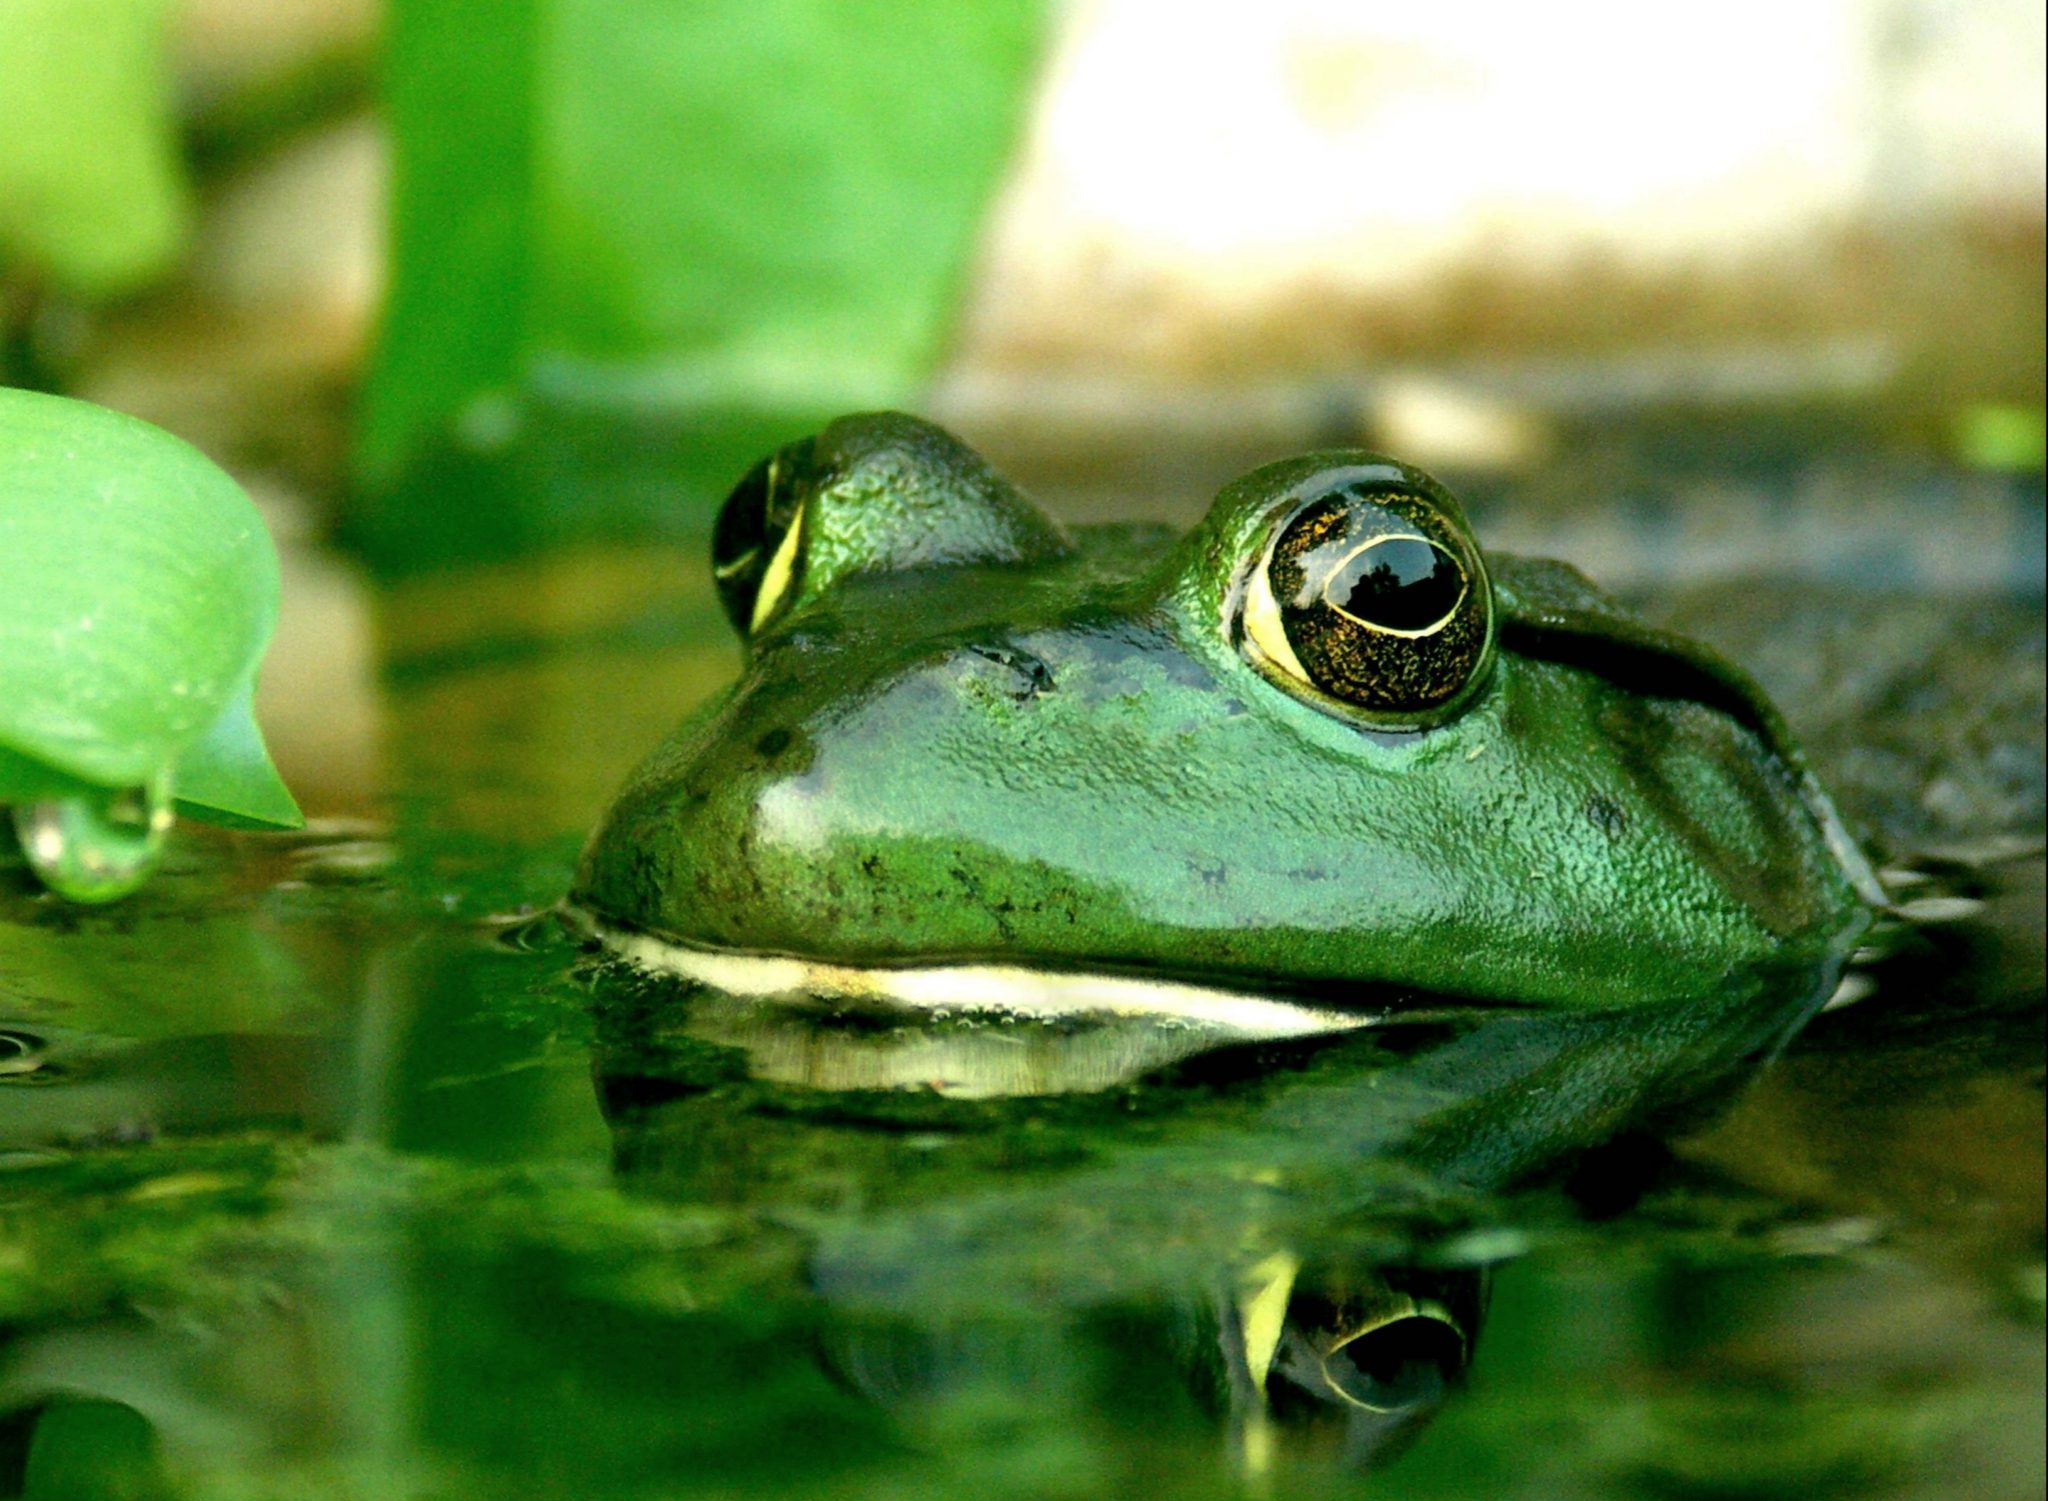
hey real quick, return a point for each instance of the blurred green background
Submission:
(1457, 233)
(740, 221)
(448, 282)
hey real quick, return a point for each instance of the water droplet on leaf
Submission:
(98, 846)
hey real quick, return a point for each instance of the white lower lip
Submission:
(1006, 990)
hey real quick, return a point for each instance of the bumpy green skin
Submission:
(1070, 761)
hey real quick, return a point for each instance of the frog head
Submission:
(1323, 751)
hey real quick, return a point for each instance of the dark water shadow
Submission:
(1290, 1243)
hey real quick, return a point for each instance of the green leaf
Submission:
(461, 103)
(91, 191)
(225, 776)
(138, 589)
(637, 240)
(26, 781)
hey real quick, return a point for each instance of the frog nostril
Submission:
(1033, 677)
(1606, 815)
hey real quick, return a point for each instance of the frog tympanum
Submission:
(1320, 756)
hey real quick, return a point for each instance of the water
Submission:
(331, 1166)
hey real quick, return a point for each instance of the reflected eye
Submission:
(1405, 1363)
(757, 545)
(1374, 597)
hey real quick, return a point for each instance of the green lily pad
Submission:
(138, 590)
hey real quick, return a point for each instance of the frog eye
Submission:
(1374, 596)
(874, 493)
(757, 544)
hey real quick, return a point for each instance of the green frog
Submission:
(1319, 761)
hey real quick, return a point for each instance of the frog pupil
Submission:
(1400, 583)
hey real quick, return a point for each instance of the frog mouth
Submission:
(1014, 991)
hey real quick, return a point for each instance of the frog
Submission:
(1320, 760)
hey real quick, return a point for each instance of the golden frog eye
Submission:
(757, 543)
(1374, 596)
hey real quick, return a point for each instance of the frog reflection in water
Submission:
(1338, 1358)
(1316, 762)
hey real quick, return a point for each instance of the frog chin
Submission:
(1009, 991)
